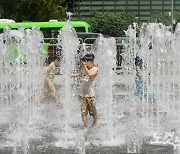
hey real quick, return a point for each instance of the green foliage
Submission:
(72, 4)
(160, 17)
(111, 24)
(35, 10)
(177, 17)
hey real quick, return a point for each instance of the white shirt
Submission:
(88, 84)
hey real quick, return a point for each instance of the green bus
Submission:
(49, 29)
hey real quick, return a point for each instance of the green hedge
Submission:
(159, 17)
(111, 24)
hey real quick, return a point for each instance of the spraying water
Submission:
(24, 122)
(69, 43)
(105, 58)
(159, 51)
(20, 86)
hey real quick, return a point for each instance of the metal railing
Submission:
(51, 39)
(89, 43)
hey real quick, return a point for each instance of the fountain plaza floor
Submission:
(45, 133)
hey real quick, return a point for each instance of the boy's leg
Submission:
(84, 113)
(92, 111)
(42, 96)
(52, 89)
(54, 95)
(85, 121)
(139, 111)
(44, 92)
(95, 121)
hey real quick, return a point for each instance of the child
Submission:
(87, 95)
(48, 83)
(142, 85)
(138, 79)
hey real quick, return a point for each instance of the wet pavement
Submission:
(34, 149)
(46, 131)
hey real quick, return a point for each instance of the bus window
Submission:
(46, 32)
(80, 29)
(54, 32)
(50, 32)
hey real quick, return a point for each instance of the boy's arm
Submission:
(140, 73)
(138, 69)
(76, 74)
(91, 73)
(47, 68)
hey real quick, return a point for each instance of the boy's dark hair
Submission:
(51, 59)
(88, 57)
(138, 61)
(56, 58)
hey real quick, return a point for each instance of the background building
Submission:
(142, 9)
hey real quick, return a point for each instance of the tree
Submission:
(160, 17)
(177, 17)
(36, 10)
(111, 24)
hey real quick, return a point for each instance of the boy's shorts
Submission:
(87, 104)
